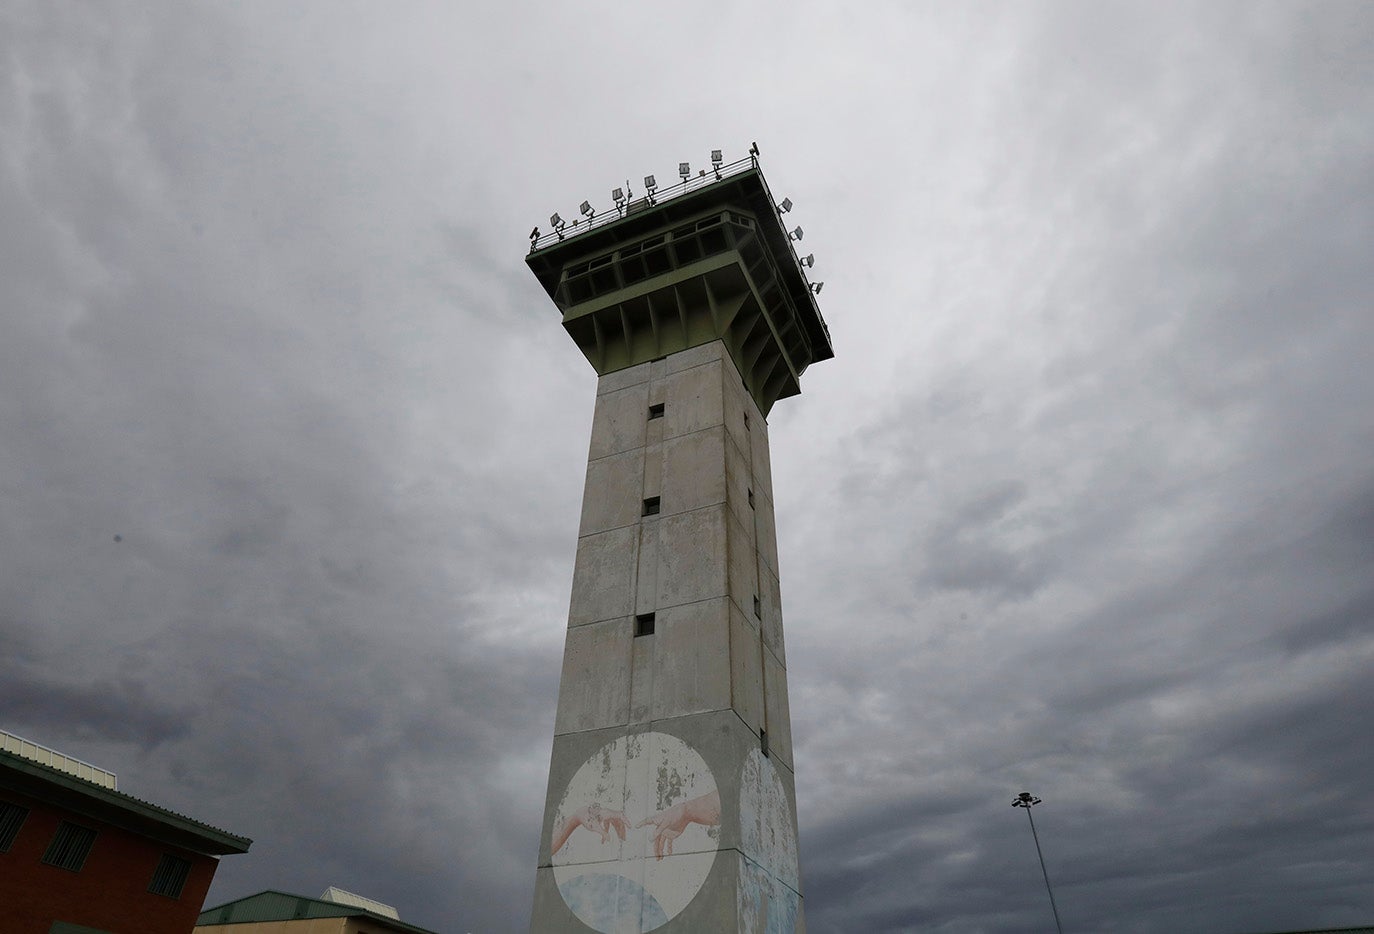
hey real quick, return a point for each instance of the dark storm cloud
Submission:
(200, 364)
(1095, 443)
(1106, 536)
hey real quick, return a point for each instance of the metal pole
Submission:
(1053, 907)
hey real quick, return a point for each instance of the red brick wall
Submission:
(110, 893)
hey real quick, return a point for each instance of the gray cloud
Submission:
(1081, 507)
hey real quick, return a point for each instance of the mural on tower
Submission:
(769, 874)
(635, 834)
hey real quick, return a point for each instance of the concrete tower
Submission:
(671, 803)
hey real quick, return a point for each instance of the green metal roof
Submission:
(283, 906)
(115, 807)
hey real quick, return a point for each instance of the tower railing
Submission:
(667, 193)
(659, 196)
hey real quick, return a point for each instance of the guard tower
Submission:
(671, 804)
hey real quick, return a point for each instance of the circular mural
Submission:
(635, 834)
(768, 884)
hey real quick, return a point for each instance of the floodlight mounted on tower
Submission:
(710, 260)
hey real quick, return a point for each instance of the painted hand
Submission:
(595, 818)
(671, 822)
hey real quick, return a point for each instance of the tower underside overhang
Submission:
(713, 264)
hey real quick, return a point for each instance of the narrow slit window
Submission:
(656, 411)
(746, 421)
(170, 877)
(763, 742)
(70, 846)
(11, 819)
(644, 625)
(751, 499)
(758, 607)
(651, 506)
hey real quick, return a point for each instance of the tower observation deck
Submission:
(707, 260)
(671, 800)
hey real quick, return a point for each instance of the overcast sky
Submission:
(292, 444)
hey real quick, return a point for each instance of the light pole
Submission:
(1027, 800)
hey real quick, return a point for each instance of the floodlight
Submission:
(754, 150)
(785, 206)
(684, 170)
(618, 195)
(809, 260)
(555, 221)
(796, 234)
(586, 210)
(716, 157)
(649, 182)
(534, 234)
(817, 286)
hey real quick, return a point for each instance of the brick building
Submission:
(79, 857)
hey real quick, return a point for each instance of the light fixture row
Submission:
(623, 196)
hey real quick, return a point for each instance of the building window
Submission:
(644, 625)
(70, 846)
(746, 421)
(758, 607)
(656, 411)
(763, 742)
(170, 876)
(751, 499)
(11, 819)
(651, 506)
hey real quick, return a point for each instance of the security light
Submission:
(586, 209)
(649, 182)
(618, 195)
(555, 221)
(809, 260)
(817, 286)
(796, 234)
(785, 206)
(684, 170)
(716, 158)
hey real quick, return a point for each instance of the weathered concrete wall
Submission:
(661, 792)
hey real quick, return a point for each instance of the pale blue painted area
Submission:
(766, 905)
(612, 904)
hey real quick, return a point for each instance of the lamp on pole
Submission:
(1027, 800)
